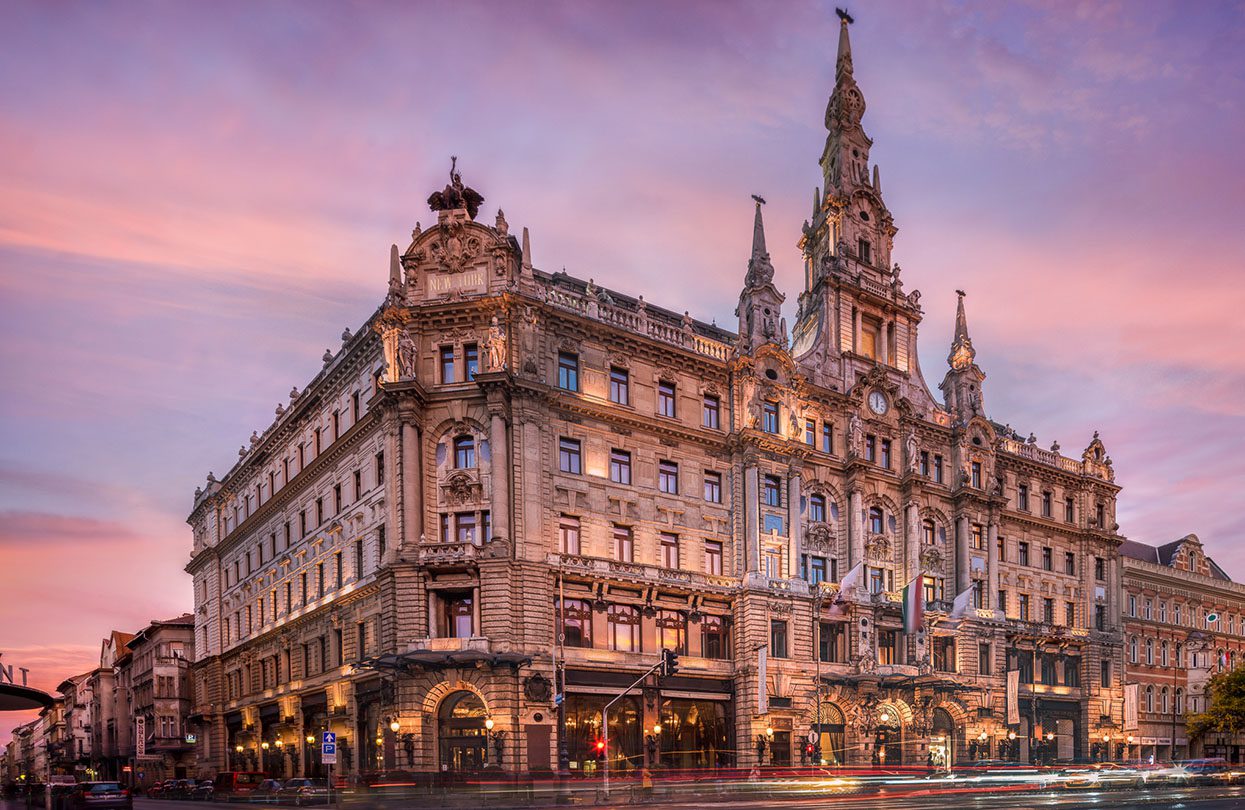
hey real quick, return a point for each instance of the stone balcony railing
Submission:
(475, 644)
(600, 566)
(1053, 459)
(438, 554)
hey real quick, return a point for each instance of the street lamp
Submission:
(395, 726)
(311, 739)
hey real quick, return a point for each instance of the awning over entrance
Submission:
(421, 660)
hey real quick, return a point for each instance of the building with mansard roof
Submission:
(511, 490)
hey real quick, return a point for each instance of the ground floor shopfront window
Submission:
(583, 730)
(696, 733)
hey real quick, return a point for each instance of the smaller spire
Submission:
(962, 351)
(760, 270)
(816, 201)
(844, 62)
(527, 251)
(395, 273)
(758, 231)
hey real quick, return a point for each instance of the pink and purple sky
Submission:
(195, 199)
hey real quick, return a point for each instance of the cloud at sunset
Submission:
(197, 199)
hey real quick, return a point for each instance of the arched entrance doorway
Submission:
(888, 738)
(460, 732)
(832, 735)
(942, 741)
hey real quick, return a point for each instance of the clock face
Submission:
(877, 402)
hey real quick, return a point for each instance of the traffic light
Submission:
(669, 662)
(600, 750)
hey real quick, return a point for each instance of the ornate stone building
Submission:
(512, 485)
(1184, 621)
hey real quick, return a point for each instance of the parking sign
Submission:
(328, 748)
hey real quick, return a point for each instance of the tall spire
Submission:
(962, 351)
(395, 274)
(760, 270)
(844, 62)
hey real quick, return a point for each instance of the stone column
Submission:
(962, 579)
(856, 329)
(500, 471)
(795, 531)
(855, 530)
(886, 342)
(1113, 594)
(752, 517)
(992, 563)
(912, 541)
(412, 484)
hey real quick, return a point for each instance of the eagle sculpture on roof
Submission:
(456, 195)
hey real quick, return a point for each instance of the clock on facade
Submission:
(877, 402)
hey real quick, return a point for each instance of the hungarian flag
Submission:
(913, 606)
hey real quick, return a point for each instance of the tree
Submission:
(1225, 706)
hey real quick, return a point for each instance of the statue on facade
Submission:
(910, 450)
(496, 345)
(406, 356)
(456, 195)
(855, 434)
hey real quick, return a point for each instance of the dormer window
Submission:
(864, 251)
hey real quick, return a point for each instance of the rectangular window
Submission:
(817, 508)
(319, 511)
(668, 477)
(1047, 503)
(445, 528)
(447, 364)
(1022, 497)
(1069, 614)
(1100, 515)
(318, 445)
(1104, 674)
(568, 535)
(889, 650)
(777, 638)
(624, 628)
(769, 417)
(1100, 617)
(457, 619)
(337, 425)
(337, 557)
(358, 484)
(871, 448)
(937, 469)
(471, 361)
(624, 544)
(1023, 556)
(933, 588)
(713, 557)
(810, 432)
(672, 631)
(620, 386)
(715, 637)
(1002, 603)
(319, 580)
(337, 499)
(1002, 547)
(1047, 562)
(827, 437)
(712, 412)
(302, 523)
(976, 474)
(1048, 611)
(669, 550)
(983, 659)
(924, 463)
(1024, 607)
(360, 640)
(666, 399)
(569, 460)
(576, 623)
(886, 453)
(713, 486)
(944, 654)
(358, 559)
(771, 490)
(978, 536)
(1100, 569)
(354, 407)
(831, 642)
(817, 570)
(620, 466)
(465, 527)
(1069, 513)
(568, 371)
(1069, 563)
(380, 468)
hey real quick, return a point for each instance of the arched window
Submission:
(1179, 700)
(875, 520)
(1132, 650)
(464, 452)
(1150, 651)
(1163, 653)
(1163, 700)
(1150, 699)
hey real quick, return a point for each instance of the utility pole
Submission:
(605, 720)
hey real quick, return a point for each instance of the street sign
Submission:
(328, 748)
(812, 736)
(557, 699)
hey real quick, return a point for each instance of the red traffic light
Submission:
(600, 745)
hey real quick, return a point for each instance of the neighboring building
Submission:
(159, 684)
(511, 484)
(111, 729)
(1184, 619)
(76, 752)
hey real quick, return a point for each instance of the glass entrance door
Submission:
(460, 733)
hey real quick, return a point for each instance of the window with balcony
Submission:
(890, 649)
(713, 486)
(711, 413)
(455, 614)
(465, 527)
(814, 569)
(568, 535)
(464, 452)
(944, 654)
(1048, 611)
(624, 544)
(568, 371)
(620, 466)
(620, 386)
(666, 405)
(713, 557)
(933, 587)
(624, 628)
(769, 417)
(569, 458)
(576, 623)
(668, 477)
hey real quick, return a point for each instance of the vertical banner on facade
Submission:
(1013, 697)
(140, 737)
(1130, 707)
(762, 683)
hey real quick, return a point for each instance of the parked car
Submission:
(101, 796)
(202, 791)
(1213, 771)
(235, 786)
(266, 791)
(303, 792)
(180, 789)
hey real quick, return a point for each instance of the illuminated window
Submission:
(769, 417)
(568, 371)
(464, 452)
(620, 466)
(620, 386)
(666, 399)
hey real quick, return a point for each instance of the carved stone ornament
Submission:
(931, 558)
(537, 689)
(460, 488)
(878, 547)
(819, 537)
(496, 344)
(455, 249)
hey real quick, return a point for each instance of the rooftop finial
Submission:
(844, 60)
(962, 352)
(760, 271)
(758, 230)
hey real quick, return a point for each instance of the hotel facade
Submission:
(508, 492)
